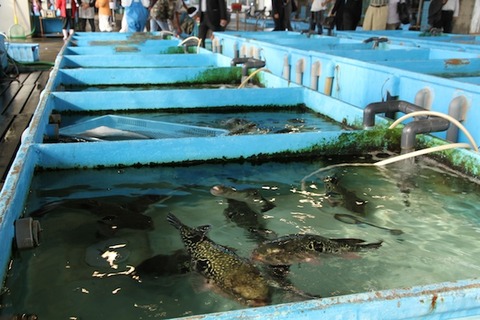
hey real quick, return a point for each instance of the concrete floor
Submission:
(49, 48)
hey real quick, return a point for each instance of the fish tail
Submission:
(174, 221)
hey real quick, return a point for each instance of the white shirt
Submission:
(318, 5)
(452, 5)
(392, 12)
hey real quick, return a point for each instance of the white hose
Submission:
(421, 152)
(441, 115)
(331, 167)
(192, 38)
(244, 82)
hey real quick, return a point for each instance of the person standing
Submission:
(317, 15)
(450, 9)
(376, 15)
(164, 14)
(86, 12)
(282, 10)
(347, 14)
(435, 13)
(159, 15)
(68, 10)
(393, 20)
(136, 14)
(213, 17)
(104, 14)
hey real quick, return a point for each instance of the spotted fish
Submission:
(235, 276)
(296, 248)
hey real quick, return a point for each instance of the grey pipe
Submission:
(411, 129)
(388, 106)
(248, 63)
(458, 110)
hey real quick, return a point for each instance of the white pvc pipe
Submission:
(189, 38)
(421, 152)
(192, 38)
(244, 82)
(441, 115)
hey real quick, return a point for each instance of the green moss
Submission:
(460, 160)
(173, 50)
(220, 75)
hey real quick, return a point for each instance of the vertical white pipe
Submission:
(475, 22)
(286, 68)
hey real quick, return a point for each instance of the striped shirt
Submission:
(378, 3)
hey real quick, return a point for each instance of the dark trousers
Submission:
(205, 25)
(447, 21)
(350, 20)
(83, 23)
(316, 20)
(68, 22)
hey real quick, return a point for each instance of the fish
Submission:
(251, 197)
(244, 217)
(240, 210)
(162, 265)
(339, 195)
(296, 248)
(115, 212)
(239, 126)
(233, 275)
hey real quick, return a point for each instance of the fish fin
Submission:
(372, 245)
(349, 241)
(359, 243)
(174, 221)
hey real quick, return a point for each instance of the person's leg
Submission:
(153, 25)
(447, 19)
(202, 30)
(380, 17)
(348, 21)
(368, 19)
(92, 24)
(278, 24)
(64, 28)
(312, 21)
(164, 25)
(142, 18)
(82, 24)
(320, 19)
(286, 18)
(132, 18)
